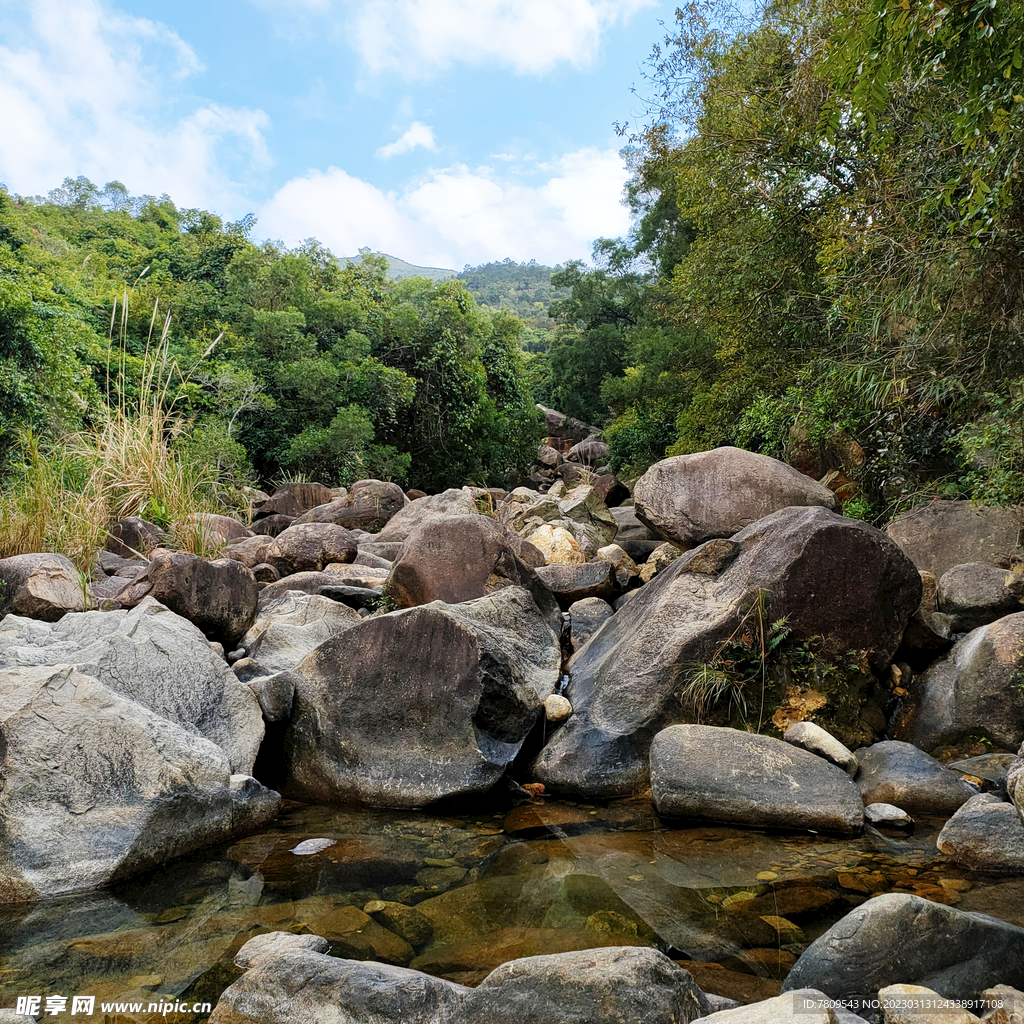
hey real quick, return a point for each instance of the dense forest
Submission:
(826, 260)
(825, 265)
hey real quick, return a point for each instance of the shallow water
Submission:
(737, 907)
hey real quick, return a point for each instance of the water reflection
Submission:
(736, 907)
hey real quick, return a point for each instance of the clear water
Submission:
(737, 907)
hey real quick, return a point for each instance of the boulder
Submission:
(98, 787)
(902, 939)
(369, 507)
(453, 502)
(579, 511)
(894, 772)
(614, 985)
(298, 986)
(292, 625)
(461, 558)
(740, 778)
(219, 597)
(572, 583)
(133, 536)
(276, 943)
(887, 816)
(805, 1006)
(306, 582)
(812, 737)
(417, 705)
(293, 500)
(548, 456)
(557, 545)
(216, 529)
(977, 593)
(611, 490)
(689, 499)
(586, 617)
(40, 586)
(985, 835)
(941, 534)
(833, 578)
(308, 547)
(271, 526)
(625, 568)
(916, 1004)
(559, 425)
(590, 452)
(973, 692)
(250, 551)
(152, 657)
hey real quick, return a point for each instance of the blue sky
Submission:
(442, 131)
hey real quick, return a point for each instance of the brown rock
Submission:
(309, 547)
(294, 500)
(368, 507)
(40, 586)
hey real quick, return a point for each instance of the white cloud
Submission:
(457, 215)
(79, 96)
(417, 134)
(530, 36)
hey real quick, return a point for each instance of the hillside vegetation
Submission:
(826, 261)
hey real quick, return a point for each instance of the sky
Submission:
(444, 132)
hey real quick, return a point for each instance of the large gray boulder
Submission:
(369, 507)
(614, 985)
(219, 597)
(974, 691)
(977, 593)
(453, 502)
(417, 705)
(985, 835)
(740, 778)
(689, 499)
(40, 586)
(153, 657)
(898, 773)
(309, 547)
(831, 577)
(901, 939)
(460, 558)
(291, 626)
(97, 787)
(298, 986)
(941, 534)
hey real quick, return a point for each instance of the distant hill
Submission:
(525, 288)
(397, 269)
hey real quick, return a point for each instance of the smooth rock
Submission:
(40, 586)
(740, 778)
(572, 583)
(812, 737)
(615, 985)
(293, 500)
(416, 705)
(977, 593)
(273, 944)
(985, 835)
(556, 708)
(250, 550)
(887, 816)
(453, 502)
(625, 568)
(461, 558)
(134, 537)
(557, 545)
(799, 1007)
(309, 547)
(302, 986)
(901, 939)
(916, 1004)
(152, 657)
(271, 526)
(369, 507)
(215, 529)
(940, 534)
(974, 691)
(289, 627)
(688, 499)
(98, 787)
(831, 577)
(586, 618)
(894, 772)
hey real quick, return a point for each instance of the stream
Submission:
(735, 907)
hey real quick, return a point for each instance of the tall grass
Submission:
(64, 498)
